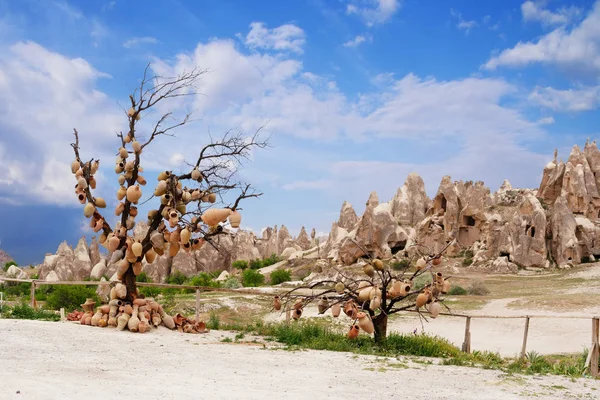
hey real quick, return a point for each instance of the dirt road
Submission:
(52, 360)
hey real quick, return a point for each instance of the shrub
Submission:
(213, 321)
(457, 291)
(148, 291)
(16, 289)
(143, 277)
(24, 311)
(240, 264)
(70, 297)
(273, 259)
(420, 281)
(280, 276)
(478, 288)
(8, 264)
(176, 278)
(232, 283)
(203, 279)
(401, 265)
(252, 278)
(256, 264)
(467, 261)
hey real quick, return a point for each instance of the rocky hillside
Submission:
(557, 224)
(4, 258)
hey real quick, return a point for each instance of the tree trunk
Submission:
(130, 280)
(380, 324)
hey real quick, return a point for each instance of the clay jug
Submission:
(375, 303)
(436, 261)
(323, 305)
(122, 321)
(156, 319)
(168, 321)
(112, 321)
(350, 309)
(276, 303)
(369, 270)
(353, 332)
(104, 309)
(378, 264)
(96, 318)
(335, 310)
(297, 313)
(434, 309)
(446, 287)
(422, 299)
(339, 287)
(439, 278)
(365, 294)
(103, 321)
(134, 321)
(365, 322)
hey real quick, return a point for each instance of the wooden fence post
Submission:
(33, 294)
(525, 333)
(197, 305)
(62, 315)
(595, 350)
(466, 346)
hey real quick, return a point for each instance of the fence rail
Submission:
(591, 362)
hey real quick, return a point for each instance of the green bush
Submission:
(16, 289)
(24, 311)
(273, 259)
(232, 283)
(457, 291)
(8, 264)
(280, 276)
(252, 278)
(143, 277)
(70, 297)
(467, 261)
(176, 278)
(213, 321)
(148, 291)
(240, 264)
(203, 279)
(256, 264)
(401, 265)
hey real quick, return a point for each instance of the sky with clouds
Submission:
(355, 95)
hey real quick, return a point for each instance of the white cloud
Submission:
(463, 24)
(577, 48)
(373, 12)
(534, 11)
(286, 37)
(358, 40)
(71, 12)
(582, 99)
(136, 41)
(43, 96)
(545, 121)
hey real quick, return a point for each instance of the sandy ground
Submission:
(51, 360)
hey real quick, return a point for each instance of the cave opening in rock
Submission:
(505, 254)
(468, 220)
(530, 230)
(444, 203)
(398, 247)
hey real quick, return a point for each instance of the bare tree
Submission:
(186, 214)
(383, 291)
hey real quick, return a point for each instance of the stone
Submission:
(15, 272)
(95, 251)
(98, 270)
(52, 277)
(223, 276)
(103, 291)
(244, 247)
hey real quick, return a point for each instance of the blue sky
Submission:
(355, 94)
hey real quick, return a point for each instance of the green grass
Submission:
(24, 311)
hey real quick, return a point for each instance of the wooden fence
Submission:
(591, 362)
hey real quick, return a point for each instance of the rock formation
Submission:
(557, 224)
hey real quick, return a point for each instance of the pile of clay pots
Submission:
(139, 316)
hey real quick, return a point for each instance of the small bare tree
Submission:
(187, 215)
(384, 291)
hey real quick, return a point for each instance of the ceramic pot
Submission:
(323, 305)
(335, 310)
(89, 305)
(353, 332)
(276, 303)
(365, 323)
(434, 309)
